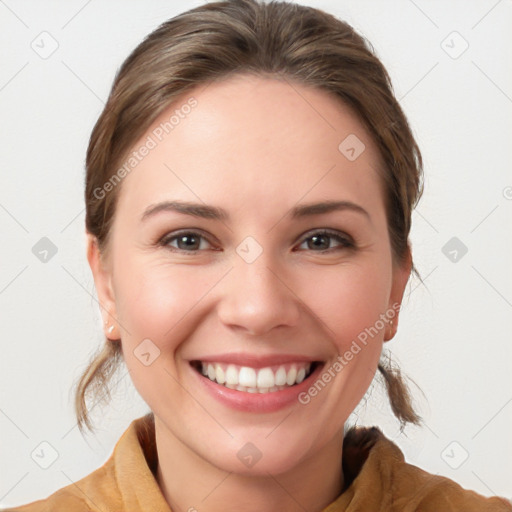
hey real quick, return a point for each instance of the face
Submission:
(254, 286)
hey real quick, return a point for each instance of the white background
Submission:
(454, 338)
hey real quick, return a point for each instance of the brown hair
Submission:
(275, 39)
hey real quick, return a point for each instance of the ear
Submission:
(401, 274)
(103, 284)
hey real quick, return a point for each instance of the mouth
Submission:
(268, 379)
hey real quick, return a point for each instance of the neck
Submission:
(190, 483)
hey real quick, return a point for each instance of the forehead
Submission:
(249, 141)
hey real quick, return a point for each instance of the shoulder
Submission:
(125, 481)
(86, 495)
(374, 464)
(95, 492)
(431, 493)
(60, 500)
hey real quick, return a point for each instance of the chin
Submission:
(260, 455)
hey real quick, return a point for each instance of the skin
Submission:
(256, 147)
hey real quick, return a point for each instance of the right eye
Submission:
(185, 241)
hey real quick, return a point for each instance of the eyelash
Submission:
(345, 241)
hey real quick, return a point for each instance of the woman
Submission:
(249, 192)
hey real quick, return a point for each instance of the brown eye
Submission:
(185, 241)
(322, 241)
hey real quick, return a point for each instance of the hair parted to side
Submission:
(277, 39)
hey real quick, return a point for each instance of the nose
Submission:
(257, 298)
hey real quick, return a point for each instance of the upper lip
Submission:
(255, 361)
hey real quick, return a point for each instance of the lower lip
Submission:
(256, 402)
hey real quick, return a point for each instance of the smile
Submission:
(268, 379)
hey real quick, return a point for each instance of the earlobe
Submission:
(391, 329)
(401, 274)
(103, 285)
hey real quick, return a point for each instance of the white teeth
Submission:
(292, 375)
(247, 377)
(280, 376)
(265, 378)
(220, 377)
(232, 375)
(252, 380)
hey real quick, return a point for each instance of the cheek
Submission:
(156, 299)
(349, 300)
(162, 303)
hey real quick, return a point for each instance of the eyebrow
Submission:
(194, 209)
(212, 212)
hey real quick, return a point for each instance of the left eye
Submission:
(321, 240)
